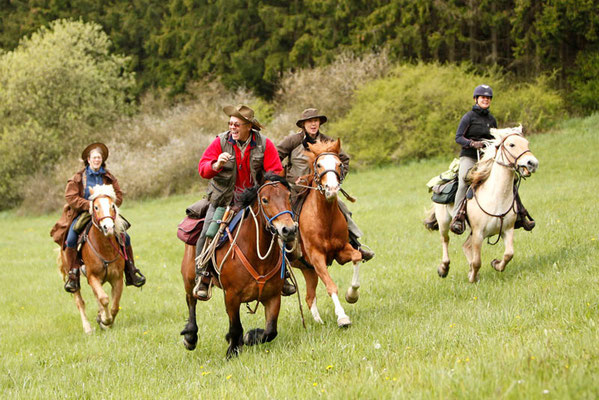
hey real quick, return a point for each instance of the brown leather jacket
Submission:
(76, 203)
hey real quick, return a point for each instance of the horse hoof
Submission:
(473, 278)
(343, 322)
(494, 264)
(189, 345)
(442, 271)
(352, 295)
(233, 352)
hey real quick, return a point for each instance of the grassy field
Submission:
(529, 332)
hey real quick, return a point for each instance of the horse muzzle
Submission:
(528, 166)
(287, 233)
(107, 227)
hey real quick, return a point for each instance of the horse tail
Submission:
(62, 266)
(430, 219)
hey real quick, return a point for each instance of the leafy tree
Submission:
(57, 90)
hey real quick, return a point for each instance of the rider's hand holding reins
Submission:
(477, 144)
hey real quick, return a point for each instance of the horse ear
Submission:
(337, 146)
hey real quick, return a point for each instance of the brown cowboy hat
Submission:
(100, 146)
(310, 113)
(243, 112)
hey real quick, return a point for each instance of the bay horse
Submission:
(323, 230)
(102, 256)
(249, 266)
(492, 208)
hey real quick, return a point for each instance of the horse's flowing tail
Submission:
(63, 267)
(430, 219)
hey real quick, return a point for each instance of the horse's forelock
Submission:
(321, 146)
(103, 190)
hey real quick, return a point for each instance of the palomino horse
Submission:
(323, 230)
(492, 209)
(249, 267)
(102, 257)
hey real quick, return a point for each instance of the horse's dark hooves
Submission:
(190, 338)
(443, 271)
(190, 345)
(233, 352)
(494, 265)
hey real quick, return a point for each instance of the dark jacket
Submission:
(474, 126)
(76, 203)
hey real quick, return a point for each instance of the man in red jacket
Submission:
(236, 160)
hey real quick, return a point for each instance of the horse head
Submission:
(103, 208)
(512, 150)
(326, 167)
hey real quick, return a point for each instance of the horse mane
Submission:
(108, 190)
(248, 196)
(482, 169)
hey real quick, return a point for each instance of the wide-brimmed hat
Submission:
(100, 146)
(243, 112)
(310, 113)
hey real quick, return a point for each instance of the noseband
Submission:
(318, 177)
(95, 219)
(504, 152)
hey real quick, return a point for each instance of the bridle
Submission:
(269, 221)
(95, 219)
(505, 152)
(318, 176)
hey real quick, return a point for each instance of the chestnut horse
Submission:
(492, 208)
(102, 257)
(323, 230)
(249, 266)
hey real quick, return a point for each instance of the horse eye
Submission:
(264, 200)
(96, 208)
(512, 145)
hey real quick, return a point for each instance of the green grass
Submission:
(529, 332)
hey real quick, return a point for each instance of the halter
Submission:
(318, 177)
(270, 225)
(95, 220)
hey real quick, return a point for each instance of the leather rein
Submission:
(513, 165)
(260, 279)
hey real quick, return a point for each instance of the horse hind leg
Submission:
(311, 279)
(271, 313)
(80, 303)
(508, 254)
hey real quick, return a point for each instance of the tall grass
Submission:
(529, 332)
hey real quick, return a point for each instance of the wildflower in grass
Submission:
(475, 298)
(206, 373)
(545, 391)
(315, 384)
(146, 332)
(329, 367)
(451, 325)
(229, 377)
(532, 357)
(377, 346)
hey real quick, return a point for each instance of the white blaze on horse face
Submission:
(105, 209)
(329, 180)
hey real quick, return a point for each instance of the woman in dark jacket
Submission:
(77, 194)
(473, 129)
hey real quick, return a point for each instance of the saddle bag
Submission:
(445, 193)
(189, 230)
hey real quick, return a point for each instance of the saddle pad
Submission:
(238, 217)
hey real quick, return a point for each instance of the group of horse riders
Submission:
(237, 159)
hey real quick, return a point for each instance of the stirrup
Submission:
(457, 226)
(202, 289)
(72, 284)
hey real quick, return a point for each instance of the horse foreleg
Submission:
(235, 335)
(472, 247)
(116, 292)
(443, 268)
(271, 314)
(311, 279)
(352, 294)
(81, 307)
(508, 241)
(190, 331)
(104, 317)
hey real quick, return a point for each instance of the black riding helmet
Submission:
(483, 90)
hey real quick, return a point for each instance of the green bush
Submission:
(585, 83)
(57, 89)
(413, 113)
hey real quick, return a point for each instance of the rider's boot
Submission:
(72, 284)
(367, 253)
(523, 220)
(202, 291)
(133, 276)
(431, 223)
(288, 287)
(458, 223)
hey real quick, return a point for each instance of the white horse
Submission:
(492, 208)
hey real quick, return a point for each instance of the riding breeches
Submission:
(466, 163)
(207, 222)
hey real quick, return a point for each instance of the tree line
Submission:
(251, 43)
